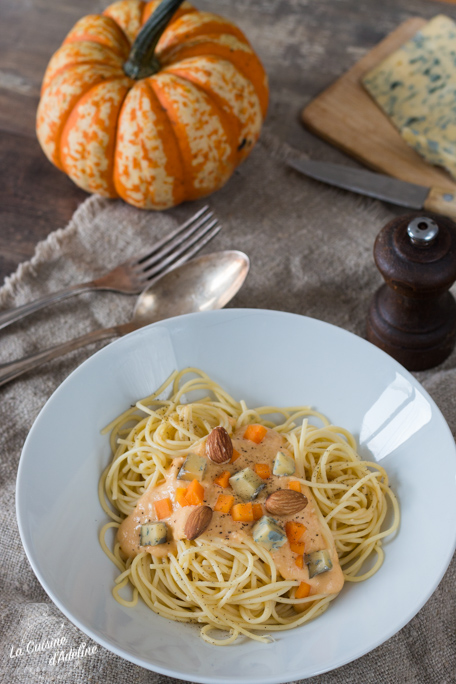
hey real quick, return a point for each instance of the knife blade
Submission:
(379, 186)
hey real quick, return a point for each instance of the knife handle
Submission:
(441, 201)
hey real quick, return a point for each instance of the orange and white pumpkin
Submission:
(155, 118)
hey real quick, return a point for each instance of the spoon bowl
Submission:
(202, 284)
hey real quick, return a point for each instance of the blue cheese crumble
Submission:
(268, 532)
(416, 87)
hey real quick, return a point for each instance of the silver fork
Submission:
(133, 275)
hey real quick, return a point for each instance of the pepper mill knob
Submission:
(413, 315)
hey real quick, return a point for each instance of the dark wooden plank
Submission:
(35, 198)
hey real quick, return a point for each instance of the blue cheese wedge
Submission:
(153, 534)
(247, 484)
(193, 468)
(318, 562)
(283, 464)
(269, 533)
(416, 87)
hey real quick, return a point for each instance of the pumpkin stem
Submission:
(142, 61)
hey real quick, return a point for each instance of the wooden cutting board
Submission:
(346, 116)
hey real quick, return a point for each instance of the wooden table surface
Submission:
(36, 198)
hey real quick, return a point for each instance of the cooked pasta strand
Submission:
(236, 588)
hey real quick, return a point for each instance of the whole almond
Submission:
(285, 502)
(219, 447)
(197, 522)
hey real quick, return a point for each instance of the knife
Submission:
(435, 199)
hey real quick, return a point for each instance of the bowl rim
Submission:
(105, 642)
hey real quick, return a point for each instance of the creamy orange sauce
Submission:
(222, 527)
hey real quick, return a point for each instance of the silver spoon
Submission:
(202, 284)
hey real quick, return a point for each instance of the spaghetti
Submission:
(224, 579)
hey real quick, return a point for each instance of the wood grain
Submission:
(412, 316)
(441, 202)
(36, 198)
(346, 116)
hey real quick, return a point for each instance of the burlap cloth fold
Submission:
(311, 253)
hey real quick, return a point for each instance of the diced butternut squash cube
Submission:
(294, 531)
(297, 547)
(195, 493)
(223, 479)
(180, 496)
(257, 511)
(235, 456)
(303, 590)
(255, 433)
(242, 512)
(224, 503)
(295, 486)
(163, 508)
(300, 561)
(263, 470)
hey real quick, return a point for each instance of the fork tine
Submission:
(183, 246)
(146, 254)
(185, 252)
(159, 256)
(197, 247)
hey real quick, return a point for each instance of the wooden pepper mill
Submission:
(413, 315)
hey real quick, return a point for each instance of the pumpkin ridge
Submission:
(86, 92)
(167, 54)
(123, 33)
(122, 50)
(58, 161)
(218, 105)
(251, 68)
(191, 167)
(142, 20)
(95, 42)
(72, 54)
(235, 93)
(151, 85)
(85, 62)
(117, 11)
(121, 30)
(214, 25)
(162, 185)
(112, 161)
(180, 12)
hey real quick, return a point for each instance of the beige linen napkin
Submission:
(311, 253)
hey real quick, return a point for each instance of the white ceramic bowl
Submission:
(265, 357)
